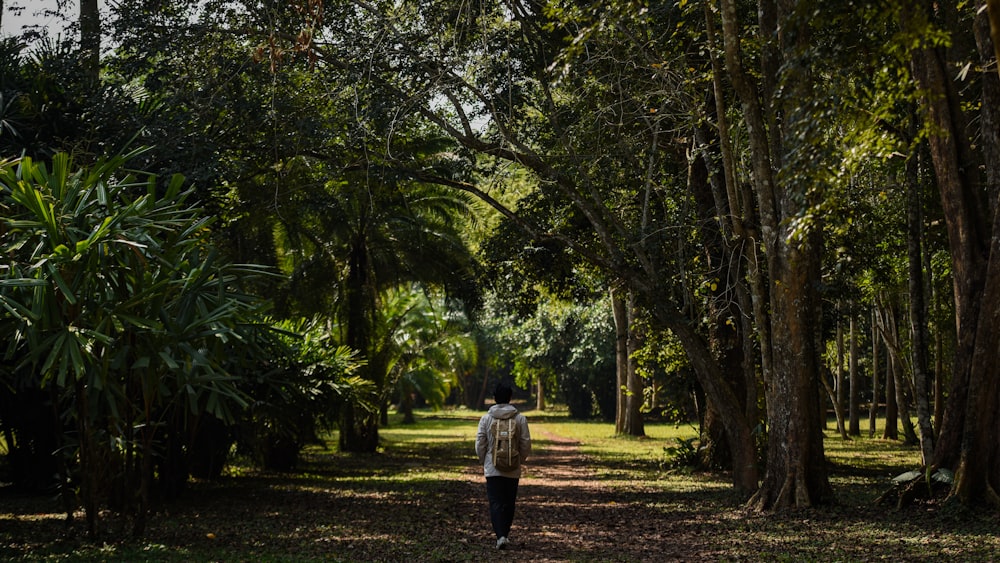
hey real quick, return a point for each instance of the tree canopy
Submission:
(633, 207)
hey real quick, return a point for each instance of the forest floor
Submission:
(424, 500)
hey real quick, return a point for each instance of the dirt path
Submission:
(427, 503)
(564, 513)
(363, 508)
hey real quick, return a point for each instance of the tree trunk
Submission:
(738, 242)
(838, 410)
(714, 450)
(891, 430)
(796, 466)
(968, 441)
(854, 406)
(743, 226)
(90, 38)
(739, 432)
(994, 15)
(938, 382)
(628, 414)
(359, 431)
(406, 407)
(919, 338)
(873, 409)
(903, 403)
(977, 477)
(634, 425)
(727, 327)
(838, 397)
(483, 389)
(938, 374)
(888, 327)
(540, 394)
(619, 309)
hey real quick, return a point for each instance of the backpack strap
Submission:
(510, 441)
(495, 423)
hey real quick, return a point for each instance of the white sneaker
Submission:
(502, 543)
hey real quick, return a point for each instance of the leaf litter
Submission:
(414, 504)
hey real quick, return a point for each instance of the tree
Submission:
(405, 236)
(90, 38)
(796, 473)
(51, 105)
(293, 170)
(967, 443)
(347, 245)
(429, 346)
(116, 307)
(535, 122)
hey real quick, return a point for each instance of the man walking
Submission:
(502, 443)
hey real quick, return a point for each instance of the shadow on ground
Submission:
(427, 503)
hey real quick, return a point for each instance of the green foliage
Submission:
(428, 340)
(301, 397)
(116, 302)
(569, 346)
(50, 104)
(683, 455)
(670, 381)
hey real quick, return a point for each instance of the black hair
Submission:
(502, 393)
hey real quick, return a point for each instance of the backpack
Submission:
(506, 455)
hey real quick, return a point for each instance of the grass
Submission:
(420, 499)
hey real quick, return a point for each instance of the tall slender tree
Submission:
(967, 441)
(90, 38)
(796, 474)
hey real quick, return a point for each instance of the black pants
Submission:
(502, 493)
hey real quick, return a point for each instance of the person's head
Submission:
(502, 393)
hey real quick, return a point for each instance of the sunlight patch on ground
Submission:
(416, 474)
(38, 517)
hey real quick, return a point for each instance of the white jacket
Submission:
(484, 442)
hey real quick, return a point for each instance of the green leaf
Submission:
(139, 322)
(23, 282)
(18, 309)
(55, 352)
(75, 355)
(64, 287)
(213, 402)
(169, 360)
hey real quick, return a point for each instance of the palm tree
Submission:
(346, 241)
(428, 343)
